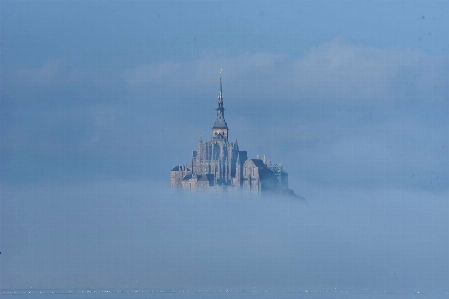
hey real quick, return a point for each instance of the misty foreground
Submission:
(138, 236)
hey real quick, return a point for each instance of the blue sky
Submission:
(352, 97)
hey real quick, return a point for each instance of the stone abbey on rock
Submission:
(219, 165)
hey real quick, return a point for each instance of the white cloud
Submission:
(219, 240)
(45, 75)
(142, 75)
(336, 70)
(358, 73)
(203, 72)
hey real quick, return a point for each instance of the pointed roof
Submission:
(262, 168)
(207, 177)
(220, 122)
(258, 162)
(178, 168)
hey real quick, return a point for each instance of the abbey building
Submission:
(219, 164)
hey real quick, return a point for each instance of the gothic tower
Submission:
(219, 164)
(220, 129)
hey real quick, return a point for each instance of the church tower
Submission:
(220, 165)
(220, 129)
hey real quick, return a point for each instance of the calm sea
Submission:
(200, 294)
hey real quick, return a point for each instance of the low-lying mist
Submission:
(126, 235)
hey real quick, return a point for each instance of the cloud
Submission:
(137, 234)
(60, 77)
(397, 152)
(334, 71)
(313, 126)
(202, 73)
(46, 75)
(356, 74)
(142, 75)
(337, 69)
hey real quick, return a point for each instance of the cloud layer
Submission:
(339, 114)
(336, 70)
(138, 235)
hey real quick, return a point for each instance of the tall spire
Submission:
(220, 97)
(220, 128)
(220, 122)
(221, 90)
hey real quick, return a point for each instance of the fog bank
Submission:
(122, 234)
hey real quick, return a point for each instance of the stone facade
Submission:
(219, 164)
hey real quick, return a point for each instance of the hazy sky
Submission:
(99, 100)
